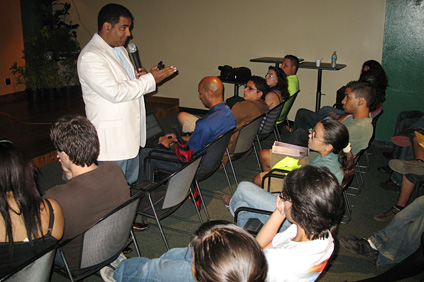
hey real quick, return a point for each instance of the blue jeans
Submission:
(129, 168)
(327, 109)
(174, 265)
(402, 236)
(250, 195)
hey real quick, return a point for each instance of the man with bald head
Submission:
(216, 122)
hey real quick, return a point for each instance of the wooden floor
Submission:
(27, 123)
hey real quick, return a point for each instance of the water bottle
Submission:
(334, 60)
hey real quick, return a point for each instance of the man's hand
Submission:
(167, 139)
(140, 72)
(160, 75)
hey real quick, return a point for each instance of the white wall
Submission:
(197, 36)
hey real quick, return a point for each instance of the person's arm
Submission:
(271, 227)
(59, 221)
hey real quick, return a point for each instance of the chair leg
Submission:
(195, 204)
(65, 262)
(256, 154)
(232, 167)
(276, 133)
(203, 202)
(348, 209)
(226, 175)
(135, 243)
(158, 222)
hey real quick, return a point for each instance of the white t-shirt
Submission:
(297, 261)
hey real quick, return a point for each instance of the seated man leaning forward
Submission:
(216, 122)
(91, 191)
(358, 98)
(220, 251)
(253, 106)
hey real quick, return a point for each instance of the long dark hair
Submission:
(19, 176)
(337, 135)
(381, 81)
(282, 84)
(317, 202)
(225, 252)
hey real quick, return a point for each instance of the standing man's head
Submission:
(211, 91)
(256, 88)
(76, 141)
(290, 65)
(359, 95)
(113, 23)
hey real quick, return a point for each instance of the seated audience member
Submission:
(328, 139)
(91, 191)
(397, 241)
(219, 252)
(413, 172)
(216, 122)
(380, 83)
(290, 65)
(249, 109)
(409, 267)
(358, 97)
(29, 224)
(311, 199)
(276, 80)
(406, 124)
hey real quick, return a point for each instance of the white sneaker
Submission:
(118, 260)
(107, 274)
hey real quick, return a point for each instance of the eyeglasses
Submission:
(270, 75)
(313, 135)
(283, 197)
(250, 88)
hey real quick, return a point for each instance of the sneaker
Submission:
(107, 274)
(385, 169)
(226, 199)
(118, 260)
(360, 247)
(387, 215)
(390, 186)
(407, 167)
(402, 141)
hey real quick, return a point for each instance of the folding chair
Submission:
(36, 269)
(285, 112)
(166, 196)
(102, 243)
(246, 137)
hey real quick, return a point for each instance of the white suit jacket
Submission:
(113, 102)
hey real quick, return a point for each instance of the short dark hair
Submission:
(224, 251)
(260, 84)
(294, 61)
(77, 137)
(111, 14)
(362, 89)
(316, 197)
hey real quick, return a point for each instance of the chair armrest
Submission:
(274, 173)
(146, 186)
(248, 209)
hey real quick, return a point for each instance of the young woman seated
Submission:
(28, 223)
(311, 199)
(328, 139)
(219, 252)
(277, 82)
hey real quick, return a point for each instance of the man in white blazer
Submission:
(113, 90)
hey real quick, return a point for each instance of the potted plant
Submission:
(51, 56)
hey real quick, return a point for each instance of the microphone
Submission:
(134, 55)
